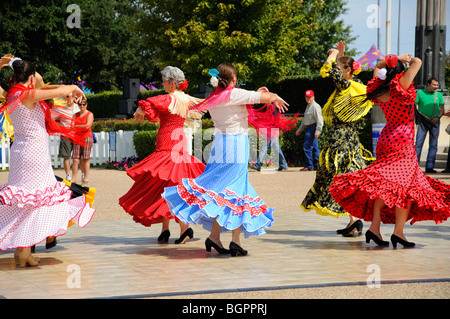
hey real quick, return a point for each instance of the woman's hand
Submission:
(263, 89)
(280, 104)
(4, 61)
(340, 46)
(139, 114)
(405, 58)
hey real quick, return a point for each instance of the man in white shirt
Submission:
(312, 123)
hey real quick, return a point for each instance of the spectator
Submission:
(66, 146)
(430, 107)
(81, 154)
(271, 143)
(312, 123)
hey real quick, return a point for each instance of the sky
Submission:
(359, 17)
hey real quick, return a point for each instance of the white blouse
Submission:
(232, 117)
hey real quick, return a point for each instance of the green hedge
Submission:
(106, 104)
(291, 145)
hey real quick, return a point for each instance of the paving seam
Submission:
(217, 291)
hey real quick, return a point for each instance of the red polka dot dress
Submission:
(33, 204)
(395, 176)
(166, 166)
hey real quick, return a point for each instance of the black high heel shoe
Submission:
(395, 239)
(354, 229)
(375, 238)
(187, 233)
(209, 243)
(164, 237)
(237, 250)
(51, 244)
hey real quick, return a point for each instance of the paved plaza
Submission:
(300, 256)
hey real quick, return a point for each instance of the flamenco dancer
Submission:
(393, 189)
(222, 198)
(34, 205)
(169, 163)
(343, 153)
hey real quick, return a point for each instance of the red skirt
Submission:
(396, 178)
(157, 171)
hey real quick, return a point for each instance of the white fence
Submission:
(110, 146)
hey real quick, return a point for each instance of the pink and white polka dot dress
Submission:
(33, 205)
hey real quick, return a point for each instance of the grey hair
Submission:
(173, 74)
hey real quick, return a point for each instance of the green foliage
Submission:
(291, 145)
(123, 125)
(104, 50)
(267, 41)
(144, 143)
(106, 104)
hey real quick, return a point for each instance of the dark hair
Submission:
(22, 71)
(384, 88)
(431, 80)
(347, 62)
(226, 73)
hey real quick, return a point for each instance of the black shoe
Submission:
(395, 239)
(237, 250)
(164, 237)
(447, 170)
(354, 229)
(187, 233)
(51, 244)
(430, 170)
(281, 169)
(375, 238)
(209, 243)
(256, 168)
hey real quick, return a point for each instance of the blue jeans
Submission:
(311, 148)
(265, 148)
(433, 142)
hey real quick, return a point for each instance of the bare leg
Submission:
(236, 235)
(165, 224)
(75, 169)
(183, 227)
(401, 216)
(215, 233)
(66, 163)
(378, 205)
(85, 165)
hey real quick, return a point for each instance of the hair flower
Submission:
(391, 61)
(382, 74)
(183, 85)
(356, 67)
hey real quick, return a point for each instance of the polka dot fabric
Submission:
(395, 176)
(167, 166)
(33, 205)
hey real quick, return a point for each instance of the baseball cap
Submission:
(309, 93)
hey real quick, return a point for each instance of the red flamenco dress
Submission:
(165, 167)
(395, 176)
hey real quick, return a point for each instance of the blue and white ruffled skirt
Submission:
(223, 191)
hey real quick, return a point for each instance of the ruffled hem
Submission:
(167, 165)
(322, 211)
(359, 189)
(78, 212)
(24, 198)
(193, 204)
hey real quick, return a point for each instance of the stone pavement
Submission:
(300, 256)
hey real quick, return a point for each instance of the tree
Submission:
(267, 41)
(103, 49)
